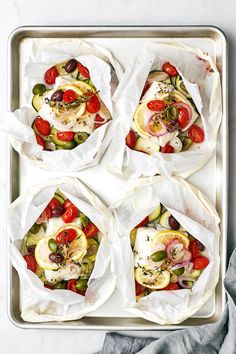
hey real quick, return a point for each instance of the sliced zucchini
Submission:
(133, 234)
(195, 273)
(148, 147)
(91, 250)
(37, 102)
(181, 87)
(173, 80)
(84, 220)
(164, 219)
(61, 145)
(75, 74)
(155, 214)
(32, 239)
(86, 268)
(157, 75)
(59, 198)
(167, 81)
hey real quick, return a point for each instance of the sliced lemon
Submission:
(83, 86)
(141, 116)
(79, 110)
(152, 278)
(42, 253)
(168, 235)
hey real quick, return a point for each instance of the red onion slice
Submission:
(177, 253)
(183, 278)
(101, 120)
(159, 133)
(179, 265)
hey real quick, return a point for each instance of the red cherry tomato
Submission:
(66, 236)
(83, 70)
(40, 141)
(81, 292)
(71, 285)
(200, 262)
(169, 69)
(156, 105)
(171, 286)
(54, 203)
(195, 248)
(31, 263)
(183, 118)
(146, 87)
(67, 204)
(45, 216)
(42, 126)
(98, 121)
(70, 214)
(51, 75)
(131, 139)
(90, 230)
(69, 96)
(48, 286)
(65, 136)
(139, 289)
(196, 134)
(143, 222)
(93, 104)
(167, 149)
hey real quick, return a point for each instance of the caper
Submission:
(133, 234)
(84, 220)
(80, 138)
(172, 113)
(60, 285)
(158, 256)
(52, 245)
(34, 229)
(81, 284)
(39, 89)
(179, 271)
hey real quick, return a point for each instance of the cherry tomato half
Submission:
(156, 105)
(65, 136)
(131, 139)
(167, 149)
(196, 134)
(195, 248)
(51, 75)
(98, 119)
(71, 285)
(83, 70)
(138, 289)
(200, 262)
(66, 236)
(54, 203)
(183, 118)
(48, 286)
(69, 96)
(171, 286)
(169, 69)
(31, 263)
(40, 141)
(90, 230)
(70, 214)
(42, 126)
(146, 87)
(93, 104)
(45, 216)
(67, 204)
(143, 222)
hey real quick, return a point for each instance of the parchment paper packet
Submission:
(105, 73)
(39, 304)
(198, 217)
(202, 80)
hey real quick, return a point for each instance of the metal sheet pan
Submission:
(124, 42)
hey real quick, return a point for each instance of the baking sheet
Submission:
(211, 180)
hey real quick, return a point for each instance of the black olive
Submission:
(57, 211)
(56, 257)
(71, 65)
(31, 250)
(174, 224)
(57, 96)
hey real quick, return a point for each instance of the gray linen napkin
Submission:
(214, 338)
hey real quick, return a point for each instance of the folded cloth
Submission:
(219, 337)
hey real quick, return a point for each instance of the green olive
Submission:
(84, 220)
(60, 285)
(39, 89)
(172, 113)
(80, 138)
(179, 271)
(133, 234)
(52, 245)
(158, 256)
(34, 229)
(82, 284)
(189, 283)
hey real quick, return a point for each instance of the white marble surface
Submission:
(100, 12)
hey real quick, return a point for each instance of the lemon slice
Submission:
(168, 235)
(79, 110)
(78, 247)
(83, 86)
(141, 116)
(42, 253)
(152, 278)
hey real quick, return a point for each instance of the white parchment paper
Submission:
(195, 213)
(105, 73)
(39, 304)
(201, 79)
